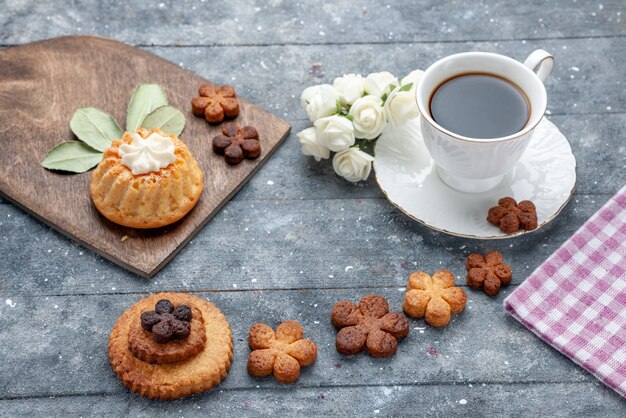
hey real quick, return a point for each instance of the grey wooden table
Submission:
(281, 248)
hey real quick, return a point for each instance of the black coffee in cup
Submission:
(482, 106)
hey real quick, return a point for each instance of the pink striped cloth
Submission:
(576, 300)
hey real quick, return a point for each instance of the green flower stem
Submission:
(366, 145)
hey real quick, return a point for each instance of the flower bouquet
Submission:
(351, 114)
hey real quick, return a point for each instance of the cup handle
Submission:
(541, 62)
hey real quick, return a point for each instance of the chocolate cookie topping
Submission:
(163, 306)
(166, 322)
(182, 312)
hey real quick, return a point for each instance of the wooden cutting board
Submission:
(42, 84)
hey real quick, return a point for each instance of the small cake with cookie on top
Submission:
(171, 345)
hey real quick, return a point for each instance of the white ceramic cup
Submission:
(472, 164)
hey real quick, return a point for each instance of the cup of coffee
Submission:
(478, 111)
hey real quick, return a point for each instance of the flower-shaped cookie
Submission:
(147, 342)
(369, 325)
(166, 322)
(236, 143)
(511, 216)
(488, 272)
(215, 103)
(434, 298)
(282, 352)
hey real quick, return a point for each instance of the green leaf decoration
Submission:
(338, 107)
(366, 145)
(146, 98)
(73, 156)
(166, 118)
(406, 87)
(95, 127)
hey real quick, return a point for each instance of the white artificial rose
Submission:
(368, 117)
(413, 77)
(350, 87)
(378, 84)
(401, 106)
(353, 164)
(311, 145)
(335, 132)
(319, 101)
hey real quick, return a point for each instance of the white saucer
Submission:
(545, 174)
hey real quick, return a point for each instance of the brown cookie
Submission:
(511, 216)
(169, 381)
(434, 298)
(236, 143)
(369, 325)
(488, 272)
(280, 353)
(145, 348)
(215, 103)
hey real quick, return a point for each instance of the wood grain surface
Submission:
(42, 84)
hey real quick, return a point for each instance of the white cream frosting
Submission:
(146, 155)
